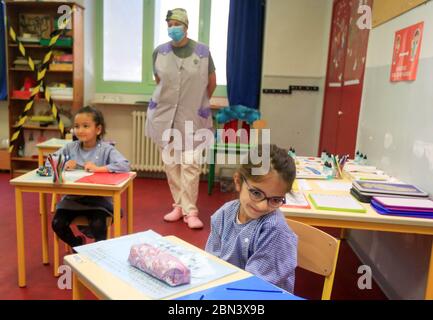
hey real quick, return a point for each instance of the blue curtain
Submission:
(244, 52)
(3, 89)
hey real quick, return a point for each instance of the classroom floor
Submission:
(151, 200)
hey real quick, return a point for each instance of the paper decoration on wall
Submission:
(407, 49)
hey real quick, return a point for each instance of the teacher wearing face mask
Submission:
(185, 76)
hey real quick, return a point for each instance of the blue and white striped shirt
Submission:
(265, 247)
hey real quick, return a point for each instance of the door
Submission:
(344, 79)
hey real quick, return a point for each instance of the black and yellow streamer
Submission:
(41, 73)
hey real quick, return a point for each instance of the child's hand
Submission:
(91, 167)
(71, 165)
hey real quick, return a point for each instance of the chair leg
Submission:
(56, 255)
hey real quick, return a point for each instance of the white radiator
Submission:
(145, 154)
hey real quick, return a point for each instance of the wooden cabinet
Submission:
(33, 22)
(344, 79)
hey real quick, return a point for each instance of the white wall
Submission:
(395, 131)
(296, 37)
(295, 53)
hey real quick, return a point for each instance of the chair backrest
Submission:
(317, 252)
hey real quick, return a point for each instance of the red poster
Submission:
(407, 48)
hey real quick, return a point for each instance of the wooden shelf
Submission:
(24, 159)
(38, 46)
(53, 5)
(19, 172)
(39, 128)
(43, 100)
(49, 71)
(18, 73)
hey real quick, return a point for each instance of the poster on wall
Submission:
(407, 49)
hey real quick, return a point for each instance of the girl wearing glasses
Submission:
(251, 232)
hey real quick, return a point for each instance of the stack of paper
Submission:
(365, 190)
(296, 199)
(310, 172)
(411, 207)
(360, 172)
(340, 202)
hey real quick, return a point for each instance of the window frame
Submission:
(147, 85)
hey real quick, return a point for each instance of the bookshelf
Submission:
(34, 21)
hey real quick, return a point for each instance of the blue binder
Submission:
(251, 288)
(412, 214)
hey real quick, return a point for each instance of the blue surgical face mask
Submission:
(176, 33)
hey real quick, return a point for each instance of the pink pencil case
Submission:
(159, 264)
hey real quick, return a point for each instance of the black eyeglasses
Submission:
(258, 196)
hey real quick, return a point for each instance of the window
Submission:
(123, 44)
(126, 36)
(218, 37)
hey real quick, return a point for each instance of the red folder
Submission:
(105, 178)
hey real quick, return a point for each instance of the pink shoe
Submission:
(174, 215)
(193, 221)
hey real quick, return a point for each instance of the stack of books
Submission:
(364, 191)
(61, 91)
(62, 62)
(23, 64)
(29, 38)
(409, 207)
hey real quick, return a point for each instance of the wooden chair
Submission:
(79, 221)
(317, 252)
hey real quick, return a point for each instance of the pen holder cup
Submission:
(59, 180)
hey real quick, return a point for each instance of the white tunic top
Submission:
(181, 94)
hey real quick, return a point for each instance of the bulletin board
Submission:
(385, 10)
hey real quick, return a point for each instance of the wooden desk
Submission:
(103, 284)
(370, 220)
(31, 182)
